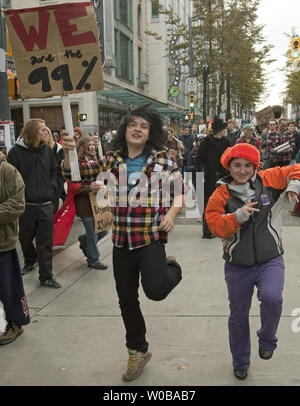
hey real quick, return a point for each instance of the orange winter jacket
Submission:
(259, 238)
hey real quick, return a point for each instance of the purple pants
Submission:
(269, 280)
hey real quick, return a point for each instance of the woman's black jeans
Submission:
(158, 278)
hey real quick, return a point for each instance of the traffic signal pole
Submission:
(191, 65)
(191, 69)
(4, 97)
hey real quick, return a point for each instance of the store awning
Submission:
(133, 99)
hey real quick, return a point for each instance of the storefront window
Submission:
(109, 119)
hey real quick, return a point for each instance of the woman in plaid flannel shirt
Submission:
(140, 230)
(275, 139)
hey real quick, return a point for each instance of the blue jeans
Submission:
(92, 239)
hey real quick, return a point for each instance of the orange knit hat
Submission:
(243, 150)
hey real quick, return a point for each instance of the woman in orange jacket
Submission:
(245, 211)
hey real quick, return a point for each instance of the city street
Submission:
(117, 102)
(76, 337)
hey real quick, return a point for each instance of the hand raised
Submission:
(68, 141)
(290, 196)
(249, 209)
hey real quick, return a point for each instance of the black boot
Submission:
(240, 373)
(265, 354)
(174, 271)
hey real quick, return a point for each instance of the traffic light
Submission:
(13, 87)
(191, 116)
(81, 117)
(192, 100)
(295, 50)
(9, 48)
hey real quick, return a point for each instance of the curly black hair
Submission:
(157, 136)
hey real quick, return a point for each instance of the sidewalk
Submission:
(76, 336)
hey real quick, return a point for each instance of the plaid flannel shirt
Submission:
(139, 212)
(274, 139)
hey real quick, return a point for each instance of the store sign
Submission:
(174, 91)
(56, 49)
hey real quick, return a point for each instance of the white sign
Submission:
(7, 135)
(192, 84)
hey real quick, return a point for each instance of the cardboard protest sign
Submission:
(102, 213)
(56, 49)
(268, 113)
(263, 116)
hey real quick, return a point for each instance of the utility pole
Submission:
(191, 66)
(4, 96)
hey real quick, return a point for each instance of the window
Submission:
(155, 8)
(123, 12)
(139, 20)
(140, 63)
(124, 39)
(124, 56)
(109, 118)
(125, 51)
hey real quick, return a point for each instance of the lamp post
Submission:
(191, 65)
(191, 19)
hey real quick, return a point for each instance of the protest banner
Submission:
(268, 113)
(101, 211)
(56, 51)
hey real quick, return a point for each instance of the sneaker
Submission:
(82, 244)
(12, 331)
(28, 268)
(51, 283)
(136, 362)
(99, 266)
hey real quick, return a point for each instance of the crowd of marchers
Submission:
(245, 172)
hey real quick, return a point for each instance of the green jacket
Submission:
(12, 204)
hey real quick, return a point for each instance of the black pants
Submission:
(12, 290)
(37, 222)
(157, 277)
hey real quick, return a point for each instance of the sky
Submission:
(278, 17)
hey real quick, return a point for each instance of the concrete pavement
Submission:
(76, 336)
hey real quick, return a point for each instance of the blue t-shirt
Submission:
(134, 169)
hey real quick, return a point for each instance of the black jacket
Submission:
(209, 154)
(188, 143)
(38, 168)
